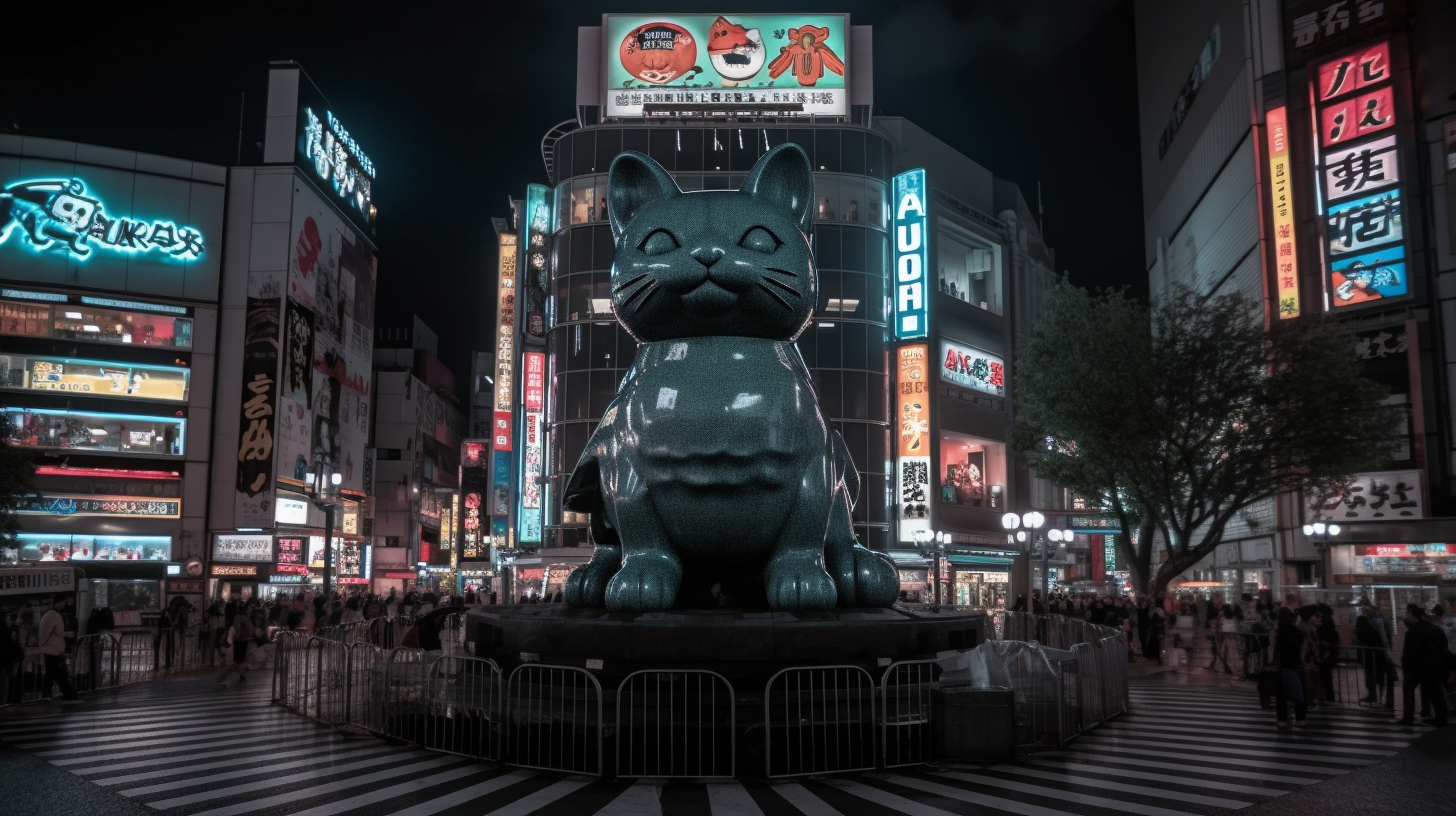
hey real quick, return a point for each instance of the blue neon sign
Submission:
(912, 255)
(337, 160)
(56, 215)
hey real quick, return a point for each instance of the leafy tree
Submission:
(17, 480)
(1179, 416)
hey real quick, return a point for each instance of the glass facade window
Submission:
(96, 432)
(97, 378)
(973, 471)
(856, 199)
(49, 547)
(94, 325)
(970, 266)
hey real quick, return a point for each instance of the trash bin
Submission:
(975, 724)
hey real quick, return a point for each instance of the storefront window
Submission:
(49, 547)
(970, 266)
(974, 471)
(126, 596)
(94, 325)
(98, 378)
(47, 429)
(1396, 563)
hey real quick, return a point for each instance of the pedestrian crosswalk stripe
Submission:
(1040, 790)
(464, 795)
(233, 752)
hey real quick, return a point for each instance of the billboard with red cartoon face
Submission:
(790, 63)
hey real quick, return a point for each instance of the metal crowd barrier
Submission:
(685, 723)
(819, 720)
(676, 724)
(554, 721)
(907, 705)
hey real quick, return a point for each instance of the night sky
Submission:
(452, 110)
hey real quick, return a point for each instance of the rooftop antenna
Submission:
(242, 105)
(1039, 226)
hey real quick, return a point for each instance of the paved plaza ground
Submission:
(1196, 745)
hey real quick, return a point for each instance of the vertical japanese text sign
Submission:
(1286, 267)
(913, 396)
(532, 448)
(505, 350)
(912, 256)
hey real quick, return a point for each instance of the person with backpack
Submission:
(242, 633)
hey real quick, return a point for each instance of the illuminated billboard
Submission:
(913, 396)
(532, 448)
(95, 378)
(1358, 179)
(972, 368)
(335, 161)
(1281, 200)
(95, 432)
(912, 255)
(789, 64)
(85, 504)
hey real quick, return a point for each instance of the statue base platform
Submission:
(746, 646)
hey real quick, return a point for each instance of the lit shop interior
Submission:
(973, 471)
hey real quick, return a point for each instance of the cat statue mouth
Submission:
(710, 299)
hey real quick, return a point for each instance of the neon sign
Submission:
(912, 255)
(56, 215)
(338, 160)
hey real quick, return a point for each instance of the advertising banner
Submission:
(1359, 177)
(913, 398)
(257, 421)
(505, 327)
(1281, 200)
(62, 223)
(532, 448)
(26, 582)
(79, 504)
(790, 64)
(71, 431)
(1392, 494)
(229, 547)
(533, 281)
(972, 368)
(96, 378)
(290, 555)
(474, 487)
(329, 355)
(912, 255)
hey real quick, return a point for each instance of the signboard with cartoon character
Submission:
(62, 222)
(792, 63)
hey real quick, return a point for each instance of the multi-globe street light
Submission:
(1033, 521)
(322, 483)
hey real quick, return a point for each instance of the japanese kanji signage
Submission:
(972, 368)
(532, 448)
(1314, 23)
(505, 349)
(794, 64)
(1358, 180)
(75, 504)
(257, 420)
(1371, 496)
(1286, 264)
(912, 255)
(1197, 75)
(913, 399)
(228, 547)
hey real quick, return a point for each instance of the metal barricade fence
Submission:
(287, 654)
(399, 695)
(677, 724)
(93, 664)
(388, 633)
(907, 712)
(136, 656)
(819, 720)
(465, 707)
(554, 719)
(360, 660)
(452, 634)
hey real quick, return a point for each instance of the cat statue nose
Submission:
(707, 256)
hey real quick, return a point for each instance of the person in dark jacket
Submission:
(1289, 647)
(1329, 651)
(1424, 661)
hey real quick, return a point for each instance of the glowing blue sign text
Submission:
(912, 255)
(56, 215)
(338, 160)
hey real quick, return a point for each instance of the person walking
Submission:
(12, 655)
(1424, 660)
(242, 634)
(1289, 647)
(1375, 660)
(53, 636)
(1329, 651)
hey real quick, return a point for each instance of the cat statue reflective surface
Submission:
(714, 460)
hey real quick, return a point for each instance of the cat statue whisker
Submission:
(714, 464)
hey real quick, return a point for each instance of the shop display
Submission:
(47, 429)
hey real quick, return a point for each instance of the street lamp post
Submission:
(1320, 533)
(322, 481)
(922, 539)
(1033, 521)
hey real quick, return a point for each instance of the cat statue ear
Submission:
(785, 177)
(634, 181)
